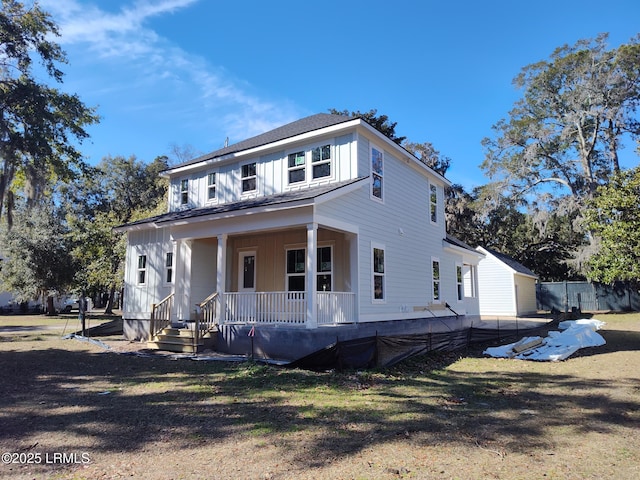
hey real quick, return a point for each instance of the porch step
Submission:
(180, 340)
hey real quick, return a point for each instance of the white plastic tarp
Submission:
(557, 346)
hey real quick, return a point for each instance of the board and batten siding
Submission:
(272, 174)
(138, 298)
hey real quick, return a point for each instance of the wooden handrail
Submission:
(160, 315)
(206, 317)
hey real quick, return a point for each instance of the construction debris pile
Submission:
(576, 334)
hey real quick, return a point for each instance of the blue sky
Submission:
(191, 73)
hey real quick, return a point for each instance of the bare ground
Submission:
(74, 410)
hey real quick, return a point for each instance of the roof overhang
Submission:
(249, 152)
(274, 203)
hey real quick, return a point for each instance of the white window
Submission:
(296, 263)
(211, 186)
(184, 191)
(459, 282)
(321, 162)
(297, 167)
(435, 279)
(325, 270)
(249, 177)
(377, 173)
(168, 266)
(470, 280)
(433, 203)
(142, 269)
(379, 293)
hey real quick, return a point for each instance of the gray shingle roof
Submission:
(458, 243)
(269, 200)
(511, 262)
(304, 125)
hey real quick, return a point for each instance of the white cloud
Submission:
(123, 42)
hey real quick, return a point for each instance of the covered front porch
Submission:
(302, 276)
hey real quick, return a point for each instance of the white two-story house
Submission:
(320, 229)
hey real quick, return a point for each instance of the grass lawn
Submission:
(77, 411)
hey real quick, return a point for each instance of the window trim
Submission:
(322, 161)
(433, 205)
(249, 177)
(373, 174)
(459, 282)
(435, 281)
(309, 165)
(183, 191)
(169, 267)
(302, 274)
(295, 168)
(141, 270)
(214, 198)
(330, 273)
(378, 246)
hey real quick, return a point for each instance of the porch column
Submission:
(221, 276)
(312, 279)
(182, 310)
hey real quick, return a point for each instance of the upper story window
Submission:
(184, 191)
(297, 167)
(249, 177)
(377, 172)
(211, 186)
(433, 203)
(317, 160)
(321, 161)
(142, 269)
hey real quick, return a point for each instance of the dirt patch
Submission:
(87, 412)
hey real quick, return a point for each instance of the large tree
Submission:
(118, 191)
(37, 122)
(614, 214)
(568, 127)
(38, 262)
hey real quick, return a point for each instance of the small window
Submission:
(378, 274)
(377, 172)
(184, 191)
(168, 264)
(211, 186)
(296, 261)
(249, 177)
(296, 166)
(470, 276)
(435, 268)
(433, 203)
(459, 282)
(324, 270)
(142, 269)
(321, 161)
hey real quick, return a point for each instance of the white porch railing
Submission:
(288, 308)
(336, 307)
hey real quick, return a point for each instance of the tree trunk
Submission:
(51, 310)
(108, 309)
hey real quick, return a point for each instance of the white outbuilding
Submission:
(505, 286)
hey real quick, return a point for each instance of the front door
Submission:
(247, 287)
(247, 274)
